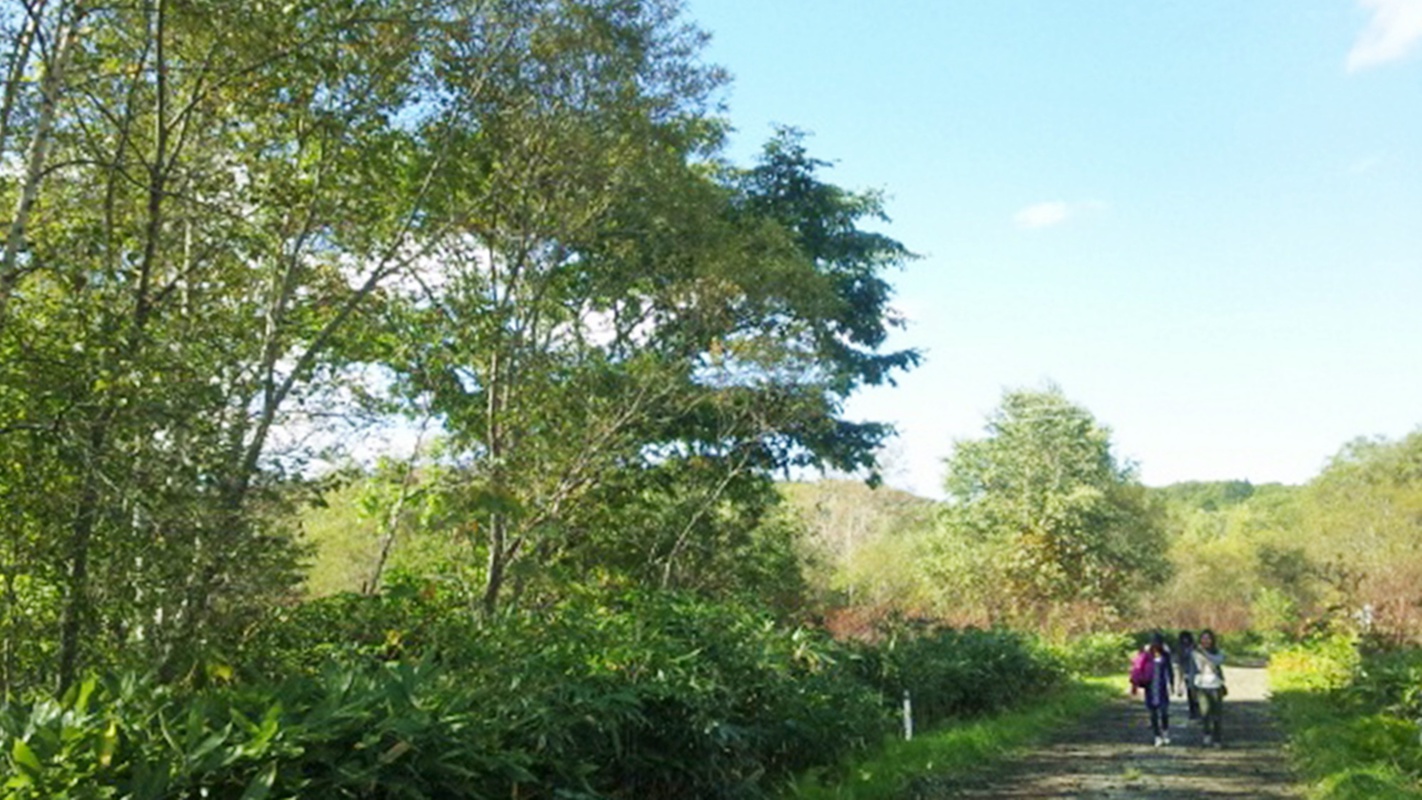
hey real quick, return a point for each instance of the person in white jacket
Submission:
(1210, 684)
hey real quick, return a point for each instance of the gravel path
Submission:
(1110, 755)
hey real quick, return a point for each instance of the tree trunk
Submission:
(50, 88)
(497, 563)
(498, 523)
(392, 522)
(15, 69)
(76, 585)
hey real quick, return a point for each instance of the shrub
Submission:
(408, 696)
(1321, 665)
(395, 730)
(959, 673)
(1104, 653)
(1352, 717)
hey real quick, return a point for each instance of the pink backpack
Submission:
(1142, 668)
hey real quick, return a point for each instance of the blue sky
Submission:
(1201, 219)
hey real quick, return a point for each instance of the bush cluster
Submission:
(951, 673)
(1101, 653)
(407, 696)
(1352, 716)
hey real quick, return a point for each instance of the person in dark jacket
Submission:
(1185, 656)
(1157, 691)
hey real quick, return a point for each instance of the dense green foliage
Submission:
(1236, 552)
(1352, 718)
(1043, 526)
(653, 696)
(648, 383)
(949, 673)
(245, 241)
(1100, 653)
(240, 239)
(1043, 529)
(1207, 495)
(1270, 561)
(1286, 561)
(1361, 521)
(858, 548)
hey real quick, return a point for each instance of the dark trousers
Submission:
(1211, 710)
(1159, 718)
(1192, 701)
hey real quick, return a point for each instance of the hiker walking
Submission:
(1152, 671)
(1185, 656)
(1210, 683)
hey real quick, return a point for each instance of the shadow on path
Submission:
(1111, 755)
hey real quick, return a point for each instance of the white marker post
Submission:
(908, 717)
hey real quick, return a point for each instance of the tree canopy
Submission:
(1041, 507)
(238, 238)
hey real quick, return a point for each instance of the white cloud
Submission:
(1043, 215)
(1396, 27)
(1054, 212)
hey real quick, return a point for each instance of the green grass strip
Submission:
(958, 748)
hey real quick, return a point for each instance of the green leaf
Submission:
(261, 783)
(26, 759)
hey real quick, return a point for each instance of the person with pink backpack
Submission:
(1153, 673)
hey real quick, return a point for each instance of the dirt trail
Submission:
(1111, 755)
